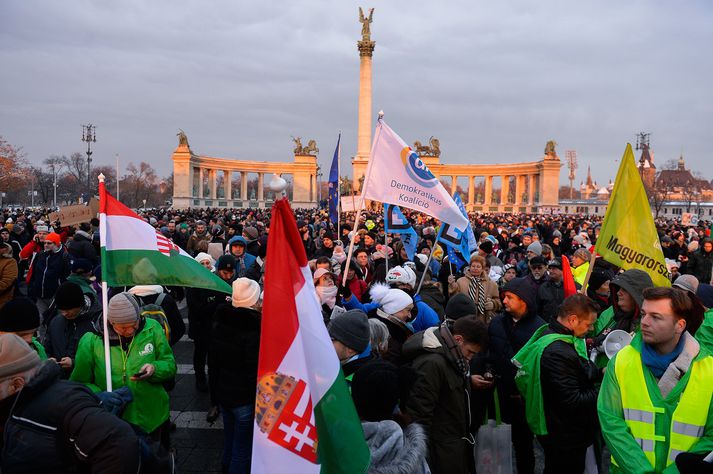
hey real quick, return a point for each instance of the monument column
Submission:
(454, 184)
(366, 50)
(243, 186)
(504, 190)
(228, 184)
(519, 189)
(201, 174)
(471, 192)
(213, 183)
(488, 190)
(260, 183)
(549, 181)
(531, 190)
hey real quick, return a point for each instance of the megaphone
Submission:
(616, 341)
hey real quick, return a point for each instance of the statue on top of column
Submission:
(425, 150)
(310, 149)
(182, 138)
(365, 30)
(550, 149)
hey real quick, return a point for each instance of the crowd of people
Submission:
(428, 346)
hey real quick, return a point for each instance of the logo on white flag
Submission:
(417, 169)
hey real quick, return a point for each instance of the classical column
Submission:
(454, 184)
(471, 191)
(260, 190)
(201, 173)
(213, 183)
(488, 190)
(366, 50)
(504, 190)
(228, 184)
(531, 190)
(243, 186)
(519, 189)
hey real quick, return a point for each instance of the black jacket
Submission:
(63, 335)
(50, 269)
(234, 346)
(202, 304)
(398, 334)
(569, 394)
(439, 401)
(57, 426)
(81, 247)
(700, 264)
(549, 298)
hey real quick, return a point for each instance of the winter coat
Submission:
(633, 282)
(432, 294)
(624, 448)
(234, 345)
(426, 316)
(439, 401)
(49, 270)
(85, 284)
(194, 239)
(399, 332)
(202, 304)
(57, 425)
(63, 335)
(149, 408)
(244, 262)
(462, 285)
(81, 247)
(395, 450)
(8, 276)
(700, 264)
(549, 298)
(568, 392)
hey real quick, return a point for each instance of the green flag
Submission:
(628, 237)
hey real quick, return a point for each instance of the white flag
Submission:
(397, 175)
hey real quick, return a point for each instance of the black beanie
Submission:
(375, 390)
(597, 279)
(460, 305)
(19, 314)
(486, 246)
(69, 296)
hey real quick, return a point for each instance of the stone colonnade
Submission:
(191, 171)
(535, 184)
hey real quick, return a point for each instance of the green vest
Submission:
(689, 418)
(704, 335)
(527, 378)
(39, 348)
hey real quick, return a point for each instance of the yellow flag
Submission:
(628, 237)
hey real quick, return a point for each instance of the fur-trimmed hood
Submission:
(396, 451)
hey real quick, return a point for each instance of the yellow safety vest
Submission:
(689, 419)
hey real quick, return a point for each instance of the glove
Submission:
(111, 401)
(345, 292)
(689, 463)
(125, 394)
(489, 305)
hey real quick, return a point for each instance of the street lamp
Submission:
(319, 186)
(89, 136)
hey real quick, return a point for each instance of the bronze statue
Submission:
(550, 149)
(365, 30)
(298, 148)
(434, 149)
(311, 148)
(182, 138)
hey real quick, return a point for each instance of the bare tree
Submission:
(139, 182)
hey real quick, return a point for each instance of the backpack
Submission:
(155, 311)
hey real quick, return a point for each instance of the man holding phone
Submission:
(141, 361)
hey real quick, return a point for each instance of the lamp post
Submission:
(319, 186)
(89, 136)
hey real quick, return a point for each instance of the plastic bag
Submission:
(493, 445)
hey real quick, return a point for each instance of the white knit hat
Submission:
(204, 256)
(403, 275)
(246, 293)
(390, 300)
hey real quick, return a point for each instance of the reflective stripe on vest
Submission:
(689, 418)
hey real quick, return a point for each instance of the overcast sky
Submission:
(492, 80)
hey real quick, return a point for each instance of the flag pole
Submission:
(423, 275)
(339, 186)
(386, 244)
(583, 290)
(105, 289)
(367, 177)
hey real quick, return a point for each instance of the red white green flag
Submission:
(134, 253)
(305, 420)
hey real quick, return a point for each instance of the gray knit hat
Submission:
(123, 309)
(16, 356)
(687, 283)
(351, 329)
(535, 247)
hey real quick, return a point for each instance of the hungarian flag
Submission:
(305, 420)
(134, 253)
(568, 278)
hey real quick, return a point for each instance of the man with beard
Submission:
(201, 233)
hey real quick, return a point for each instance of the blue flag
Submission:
(470, 236)
(334, 185)
(456, 241)
(396, 223)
